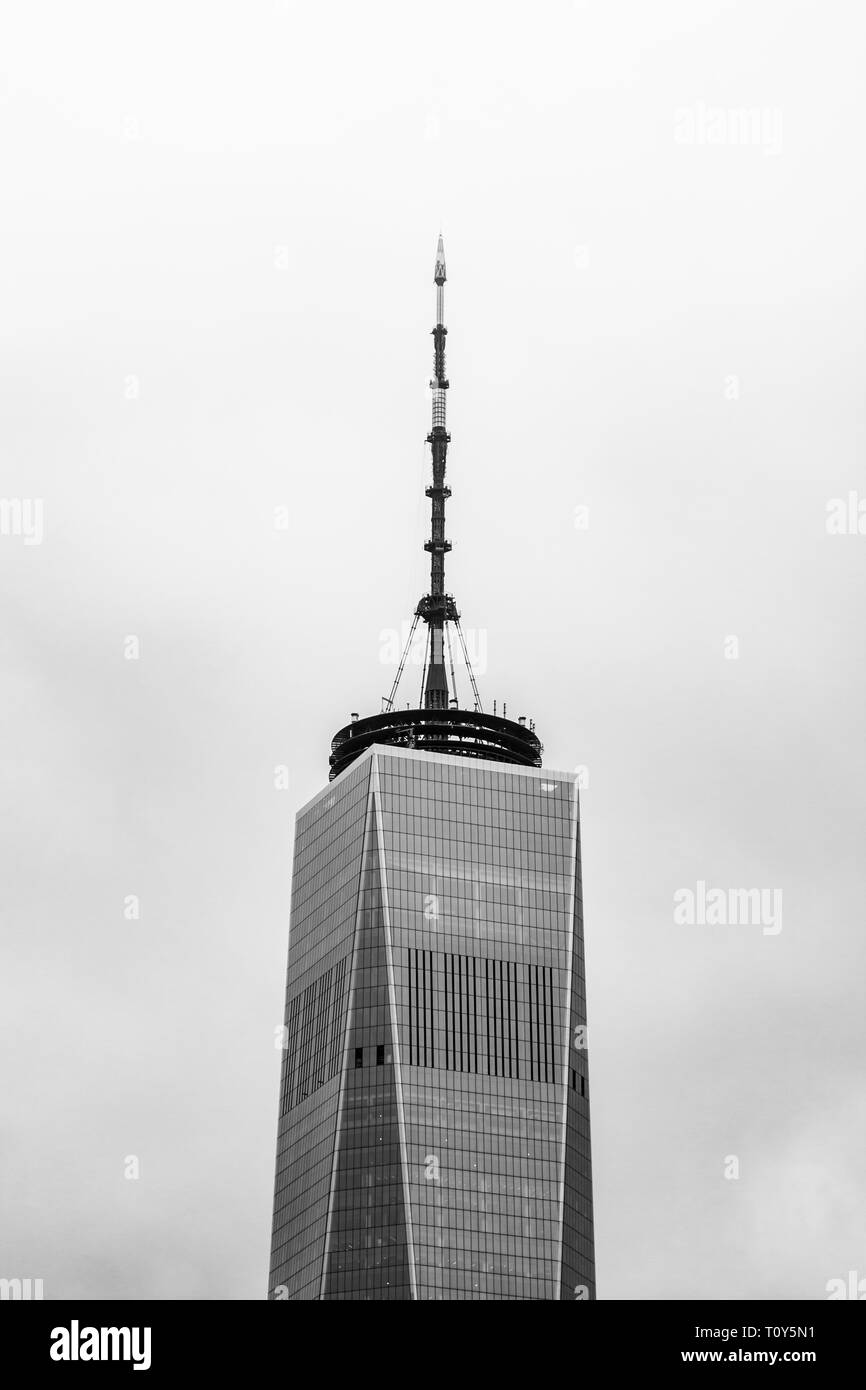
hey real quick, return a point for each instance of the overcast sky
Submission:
(217, 232)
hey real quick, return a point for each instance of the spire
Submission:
(439, 725)
(439, 270)
(437, 608)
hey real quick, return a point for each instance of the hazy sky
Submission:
(217, 231)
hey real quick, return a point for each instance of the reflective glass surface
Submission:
(434, 1132)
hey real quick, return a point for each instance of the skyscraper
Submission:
(433, 1136)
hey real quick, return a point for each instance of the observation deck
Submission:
(462, 733)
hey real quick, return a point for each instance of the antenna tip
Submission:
(439, 270)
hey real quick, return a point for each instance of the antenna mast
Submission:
(438, 725)
(438, 608)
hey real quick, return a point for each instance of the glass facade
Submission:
(434, 1112)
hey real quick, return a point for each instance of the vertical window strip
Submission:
(453, 966)
(430, 1009)
(291, 1052)
(447, 1004)
(455, 1011)
(424, 1000)
(542, 1031)
(417, 1007)
(539, 1030)
(409, 998)
(508, 1000)
(551, 1017)
(531, 1012)
(544, 1016)
(288, 1058)
(503, 1021)
(497, 1014)
(535, 1026)
(539, 1020)
(535, 1029)
(322, 1038)
(317, 1032)
(337, 1008)
(462, 1053)
(487, 1009)
(474, 1018)
(459, 961)
(552, 1025)
(512, 1037)
(542, 1023)
(302, 1086)
(516, 1023)
(419, 1011)
(336, 1000)
(310, 1058)
(455, 983)
(464, 1014)
(299, 1071)
(496, 1021)
(503, 1016)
